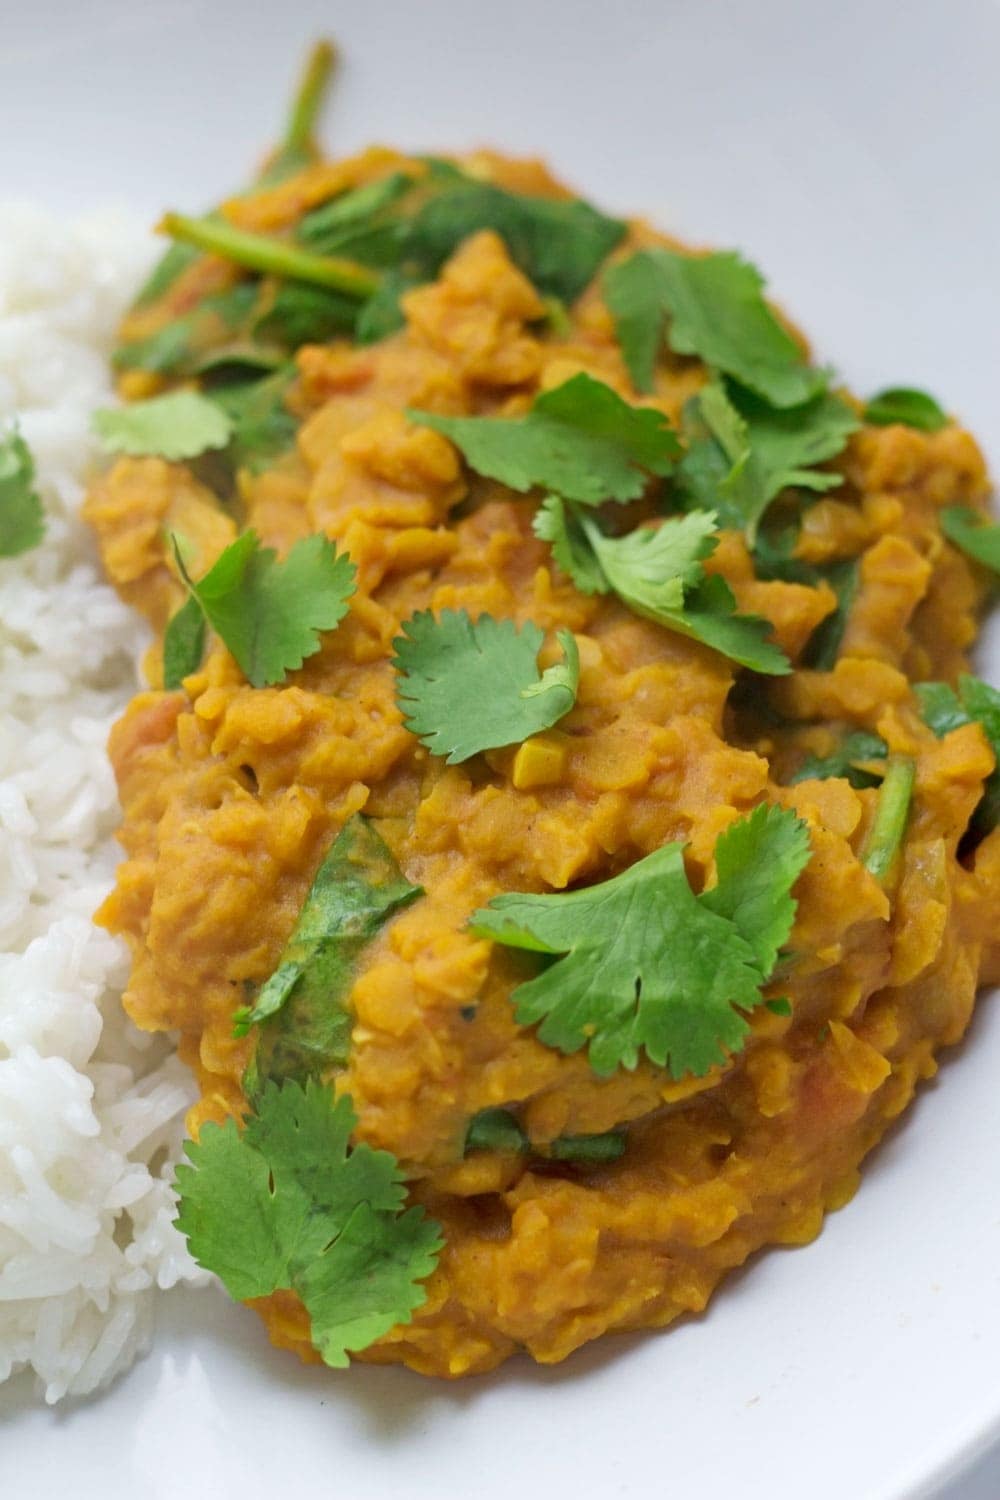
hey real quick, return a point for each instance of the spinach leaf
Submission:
(559, 244)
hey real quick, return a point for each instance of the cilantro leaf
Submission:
(758, 859)
(22, 520)
(302, 1009)
(657, 572)
(262, 426)
(826, 640)
(561, 526)
(382, 314)
(716, 310)
(183, 644)
(179, 425)
(289, 1205)
(634, 294)
(942, 710)
(844, 760)
(742, 453)
(642, 963)
(970, 531)
(466, 686)
(653, 567)
(558, 243)
(911, 407)
(580, 439)
(268, 613)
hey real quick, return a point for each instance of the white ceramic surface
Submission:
(851, 149)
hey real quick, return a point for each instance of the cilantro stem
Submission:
(259, 252)
(308, 99)
(886, 833)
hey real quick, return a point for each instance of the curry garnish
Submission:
(644, 964)
(975, 702)
(180, 424)
(316, 1216)
(268, 612)
(973, 534)
(657, 571)
(580, 439)
(853, 758)
(712, 306)
(499, 1130)
(908, 406)
(469, 685)
(301, 1009)
(885, 836)
(22, 520)
(742, 453)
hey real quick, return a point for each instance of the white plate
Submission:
(851, 149)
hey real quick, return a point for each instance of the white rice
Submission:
(90, 1109)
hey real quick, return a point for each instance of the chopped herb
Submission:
(774, 555)
(499, 1130)
(22, 520)
(580, 439)
(559, 244)
(976, 536)
(495, 1130)
(780, 1007)
(826, 640)
(302, 1008)
(183, 644)
(263, 427)
(885, 837)
(742, 453)
(658, 573)
(976, 702)
(714, 308)
(846, 760)
(590, 1149)
(179, 425)
(557, 318)
(910, 407)
(269, 613)
(466, 686)
(274, 257)
(642, 963)
(562, 527)
(290, 1205)
(237, 361)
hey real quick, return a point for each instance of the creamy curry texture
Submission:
(234, 794)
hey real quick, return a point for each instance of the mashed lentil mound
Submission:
(233, 794)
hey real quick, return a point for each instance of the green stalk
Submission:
(298, 138)
(886, 833)
(259, 252)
